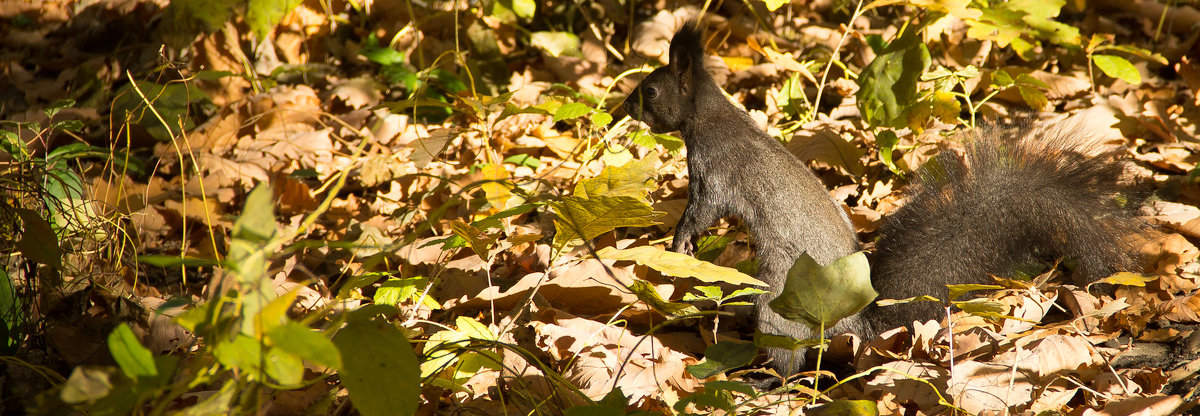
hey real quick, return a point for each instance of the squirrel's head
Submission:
(666, 99)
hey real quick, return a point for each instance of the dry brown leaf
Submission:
(358, 92)
(1139, 406)
(907, 381)
(1181, 309)
(823, 143)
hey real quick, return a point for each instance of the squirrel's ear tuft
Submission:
(687, 52)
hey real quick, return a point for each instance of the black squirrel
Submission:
(1010, 198)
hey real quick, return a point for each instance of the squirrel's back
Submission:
(1012, 197)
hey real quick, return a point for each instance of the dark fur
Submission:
(736, 169)
(1013, 197)
(1004, 203)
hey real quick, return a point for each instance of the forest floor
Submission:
(459, 174)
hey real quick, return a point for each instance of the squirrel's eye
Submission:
(651, 92)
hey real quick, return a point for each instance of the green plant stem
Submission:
(858, 10)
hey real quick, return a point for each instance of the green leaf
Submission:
(379, 368)
(634, 179)
(394, 291)
(524, 159)
(888, 85)
(649, 140)
(887, 141)
(524, 8)
(263, 15)
(87, 384)
(773, 5)
(678, 264)
(216, 403)
(170, 101)
(242, 353)
(556, 43)
(253, 232)
(1127, 279)
(586, 218)
(12, 144)
(285, 367)
(509, 10)
(958, 290)
(11, 315)
(645, 292)
(306, 343)
(820, 296)
(38, 241)
(716, 394)
(135, 360)
(570, 111)
(382, 55)
(479, 242)
(723, 356)
(1118, 67)
(601, 118)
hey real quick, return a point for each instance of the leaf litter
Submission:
(418, 172)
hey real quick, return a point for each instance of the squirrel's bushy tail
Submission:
(1012, 197)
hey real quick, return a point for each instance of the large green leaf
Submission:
(888, 85)
(723, 356)
(263, 15)
(253, 232)
(586, 218)
(135, 360)
(677, 264)
(306, 343)
(1118, 67)
(378, 368)
(823, 295)
(635, 179)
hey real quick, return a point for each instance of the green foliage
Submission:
(263, 15)
(723, 356)
(888, 85)
(379, 367)
(1022, 24)
(161, 109)
(646, 293)
(820, 296)
(134, 360)
(618, 197)
(11, 314)
(443, 353)
(717, 394)
(678, 264)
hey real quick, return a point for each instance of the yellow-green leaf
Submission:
(822, 295)
(1118, 67)
(959, 290)
(1128, 279)
(480, 243)
(677, 264)
(586, 218)
(635, 179)
(646, 293)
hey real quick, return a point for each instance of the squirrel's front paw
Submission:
(682, 245)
